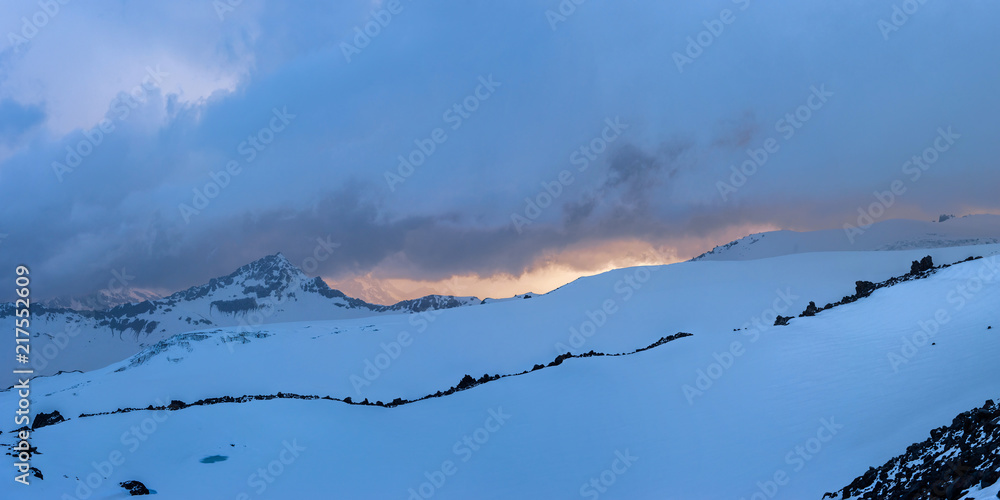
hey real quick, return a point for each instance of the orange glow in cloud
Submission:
(548, 273)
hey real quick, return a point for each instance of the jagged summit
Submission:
(272, 270)
(270, 267)
(272, 275)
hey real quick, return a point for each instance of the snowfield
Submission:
(895, 234)
(740, 409)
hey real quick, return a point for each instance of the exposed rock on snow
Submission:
(953, 461)
(135, 488)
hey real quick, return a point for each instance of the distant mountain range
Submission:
(897, 234)
(102, 299)
(269, 290)
(83, 335)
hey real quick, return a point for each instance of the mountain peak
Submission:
(261, 278)
(270, 268)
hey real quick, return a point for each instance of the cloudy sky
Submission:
(543, 140)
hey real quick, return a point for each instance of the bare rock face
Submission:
(44, 419)
(947, 465)
(134, 488)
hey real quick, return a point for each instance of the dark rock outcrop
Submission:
(922, 266)
(947, 465)
(44, 419)
(918, 270)
(466, 383)
(811, 310)
(134, 488)
(864, 288)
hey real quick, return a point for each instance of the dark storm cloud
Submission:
(322, 178)
(631, 176)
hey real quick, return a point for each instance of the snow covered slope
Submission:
(740, 409)
(887, 235)
(269, 290)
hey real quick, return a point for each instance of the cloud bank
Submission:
(278, 125)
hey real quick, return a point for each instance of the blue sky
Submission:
(182, 88)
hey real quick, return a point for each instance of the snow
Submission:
(115, 295)
(990, 493)
(69, 340)
(825, 385)
(896, 234)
